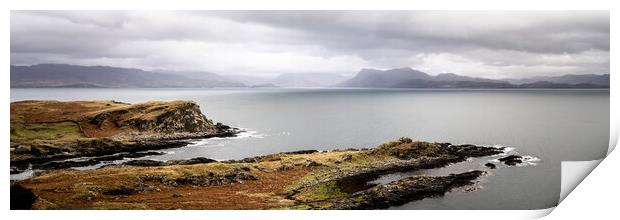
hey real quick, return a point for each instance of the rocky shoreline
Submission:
(104, 130)
(102, 150)
(337, 179)
(407, 190)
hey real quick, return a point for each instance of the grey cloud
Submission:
(520, 30)
(490, 43)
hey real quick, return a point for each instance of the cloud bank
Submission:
(494, 44)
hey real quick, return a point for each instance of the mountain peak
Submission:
(384, 78)
(403, 69)
(447, 74)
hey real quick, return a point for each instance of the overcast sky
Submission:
(265, 43)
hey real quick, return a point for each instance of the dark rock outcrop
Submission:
(221, 126)
(104, 148)
(144, 163)
(490, 165)
(21, 197)
(123, 191)
(511, 160)
(406, 190)
(197, 160)
(209, 179)
(93, 161)
(167, 118)
(155, 163)
(469, 150)
(301, 152)
(20, 149)
(406, 149)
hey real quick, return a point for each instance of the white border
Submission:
(316, 4)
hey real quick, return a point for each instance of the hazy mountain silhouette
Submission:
(602, 79)
(388, 78)
(64, 75)
(455, 77)
(410, 78)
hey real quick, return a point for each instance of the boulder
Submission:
(22, 149)
(511, 160)
(347, 157)
(470, 150)
(311, 163)
(221, 126)
(490, 165)
(144, 163)
(405, 140)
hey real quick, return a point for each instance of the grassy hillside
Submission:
(41, 129)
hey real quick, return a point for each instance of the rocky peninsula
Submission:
(42, 131)
(338, 179)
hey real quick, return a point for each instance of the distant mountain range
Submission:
(73, 76)
(410, 78)
(566, 79)
(63, 75)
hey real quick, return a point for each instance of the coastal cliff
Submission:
(46, 130)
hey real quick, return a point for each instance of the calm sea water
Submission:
(551, 125)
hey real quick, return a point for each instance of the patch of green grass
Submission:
(46, 131)
(319, 192)
(359, 160)
(84, 189)
(407, 149)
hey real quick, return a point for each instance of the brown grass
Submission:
(264, 193)
(56, 111)
(284, 181)
(70, 189)
(31, 115)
